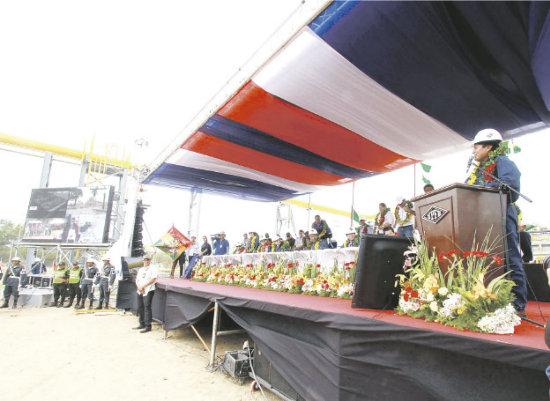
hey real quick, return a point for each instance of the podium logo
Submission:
(434, 214)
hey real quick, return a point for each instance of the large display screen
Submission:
(79, 215)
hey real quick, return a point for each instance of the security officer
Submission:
(11, 282)
(106, 280)
(86, 285)
(60, 280)
(490, 155)
(75, 276)
(352, 239)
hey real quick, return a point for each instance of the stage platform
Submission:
(328, 351)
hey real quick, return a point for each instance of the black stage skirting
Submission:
(338, 356)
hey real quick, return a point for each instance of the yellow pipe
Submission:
(307, 205)
(58, 150)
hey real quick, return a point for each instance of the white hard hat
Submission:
(362, 219)
(488, 135)
(147, 256)
(106, 257)
(16, 258)
(90, 260)
(351, 231)
(37, 259)
(222, 232)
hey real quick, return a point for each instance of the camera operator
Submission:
(220, 244)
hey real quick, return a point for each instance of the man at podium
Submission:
(490, 155)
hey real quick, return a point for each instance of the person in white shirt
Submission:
(193, 251)
(145, 283)
(384, 218)
(404, 218)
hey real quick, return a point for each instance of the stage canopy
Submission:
(366, 88)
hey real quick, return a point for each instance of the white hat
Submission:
(106, 257)
(147, 256)
(400, 199)
(222, 232)
(488, 135)
(37, 259)
(16, 258)
(351, 231)
(362, 219)
(90, 260)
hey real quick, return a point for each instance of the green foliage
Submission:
(9, 232)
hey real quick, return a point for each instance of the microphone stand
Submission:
(501, 188)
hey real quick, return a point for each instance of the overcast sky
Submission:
(117, 71)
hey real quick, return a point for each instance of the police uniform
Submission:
(11, 281)
(106, 280)
(75, 275)
(60, 278)
(86, 285)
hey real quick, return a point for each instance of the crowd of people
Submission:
(399, 222)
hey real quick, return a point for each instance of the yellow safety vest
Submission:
(74, 275)
(58, 275)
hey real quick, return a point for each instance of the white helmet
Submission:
(488, 135)
(37, 259)
(90, 260)
(351, 231)
(16, 259)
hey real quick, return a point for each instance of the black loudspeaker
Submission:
(380, 259)
(268, 377)
(537, 282)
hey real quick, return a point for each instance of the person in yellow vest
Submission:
(60, 280)
(75, 276)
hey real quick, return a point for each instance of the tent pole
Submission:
(352, 203)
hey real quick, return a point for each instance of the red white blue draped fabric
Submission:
(367, 88)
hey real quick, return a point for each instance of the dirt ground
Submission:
(56, 354)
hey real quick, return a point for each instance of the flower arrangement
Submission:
(458, 297)
(285, 276)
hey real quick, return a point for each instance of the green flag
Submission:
(426, 167)
(426, 181)
(355, 216)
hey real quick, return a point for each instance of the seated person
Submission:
(389, 231)
(352, 239)
(315, 242)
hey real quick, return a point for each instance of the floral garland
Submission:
(488, 165)
(380, 217)
(407, 217)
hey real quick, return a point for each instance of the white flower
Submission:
(502, 321)
(430, 297)
(433, 306)
(443, 291)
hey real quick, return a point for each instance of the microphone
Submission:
(470, 161)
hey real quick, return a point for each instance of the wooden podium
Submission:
(453, 216)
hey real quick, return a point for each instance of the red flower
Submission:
(297, 263)
(497, 259)
(467, 254)
(489, 169)
(348, 268)
(290, 265)
(318, 266)
(414, 294)
(442, 256)
(452, 252)
(406, 297)
(300, 281)
(480, 254)
(408, 289)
